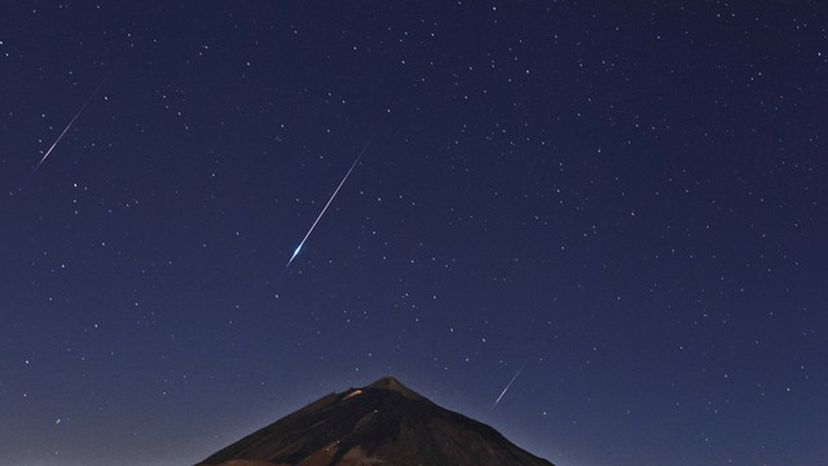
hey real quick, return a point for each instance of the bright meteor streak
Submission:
(322, 212)
(508, 385)
(66, 129)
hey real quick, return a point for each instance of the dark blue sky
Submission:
(631, 201)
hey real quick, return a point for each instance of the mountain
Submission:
(384, 423)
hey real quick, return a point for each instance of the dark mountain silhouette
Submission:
(384, 423)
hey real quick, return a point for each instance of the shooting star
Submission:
(66, 129)
(328, 204)
(508, 385)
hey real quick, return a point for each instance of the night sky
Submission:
(629, 202)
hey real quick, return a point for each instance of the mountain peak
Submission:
(382, 423)
(394, 385)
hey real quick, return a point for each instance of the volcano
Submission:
(384, 423)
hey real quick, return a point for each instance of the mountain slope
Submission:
(384, 423)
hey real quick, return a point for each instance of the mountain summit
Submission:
(384, 423)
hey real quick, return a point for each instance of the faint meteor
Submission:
(508, 385)
(321, 213)
(66, 129)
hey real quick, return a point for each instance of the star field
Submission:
(629, 202)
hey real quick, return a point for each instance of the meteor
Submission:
(508, 385)
(66, 129)
(322, 212)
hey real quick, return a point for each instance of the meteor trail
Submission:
(508, 385)
(69, 125)
(321, 213)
